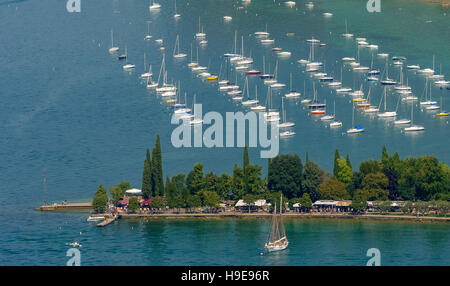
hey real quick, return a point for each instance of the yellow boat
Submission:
(442, 114)
(290, 34)
(359, 100)
(171, 101)
(212, 78)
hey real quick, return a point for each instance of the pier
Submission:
(108, 220)
(59, 207)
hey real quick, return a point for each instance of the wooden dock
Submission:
(108, 220)
(61, 207)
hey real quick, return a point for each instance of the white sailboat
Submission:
(355, 129)
(200, 34)
(127, 66)
(277, 238)
(113, 49)
(292, 93)
(386, 113)
(148, 36)
(284, 124)
(413, 127)
(148, 73)
(154, 6)
(347, 34)
(150, 83)
(176, 50)
(176, 15)
(257, 107)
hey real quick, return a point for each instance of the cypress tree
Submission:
(347, 160)
(146, 176)
(157, 173)
(245, 169)
(336, 166)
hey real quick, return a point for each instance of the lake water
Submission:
(70, 110)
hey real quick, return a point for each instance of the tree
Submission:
(347, 160)
(254, 182)
(344, 173)
(117, 192)
(211, 182)
(336, 166)
(147, 176)
(209, 199)
(195, 180)
(157, 202)
(245, 166)
(100, 199)
(392, 168)
(333, 189)
(376, 184)
(157, 171)
(171, 193)
(224, 185)
(133, 205)
(238, 182)
(286, 175)
(274, 199)
(305, 202)
(313, 176)
(249, 199)
(359, 201)
(193, 201)
(370, 166)
(356, 182)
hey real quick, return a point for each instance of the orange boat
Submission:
(363, 105)
(318, 111)
(277, 49)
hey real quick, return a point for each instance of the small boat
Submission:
(383, 55)
(154, 6)
(284, 54)
(413, 67)
(277, 49)
(227, 18)
(326, 14)
(113, 49)
(95, 218)
(292, 93)
(284, 124)
(75, 244)
(335, 124)
(414, 128)
(357, 128)
(347, 34)
(402, 121)
(284, 134)
(176, 50)
(253, 72)
(176, 15)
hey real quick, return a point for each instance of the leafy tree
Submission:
(286, 175)
(211, 182)
(344, 173)
(157, 202)
(356, 182)
(305, 202)
(254, 182)
(225, 184)
(249, 199)
(347, 160)
(370, 166)
(195, 180)
(238, 182)
(313, 176)
(376, 184)
(117, 192)
(209, 198)
(336, 166)
(171, 193)
(100, 199)
(333, 189)
(193, 201)
(392, 168)
(292, 202)
(157, 170)
(359, 201)
(179, 182)
(133, 205)
(147, 176)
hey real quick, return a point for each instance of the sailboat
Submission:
(113, 49)
(442, 113)
(250, 101)
(329, 117)
(257, 107)
(277, 237)
(387, 80)
(264, 75)
(284, 124)
(200, 34)
(347, 34)
(176, 15)
(356, 129)
(316, 107)
(150, 82)
(193, 64)
(270, 115)
(386, 113)
(127, 66)
(154, 6)
(195, 121)
(292, 93)
(427, 100)
(146, 74)
(148, 36)
(413, 127)
(275, 78)
(176, 49)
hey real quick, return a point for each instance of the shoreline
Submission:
(287, 216)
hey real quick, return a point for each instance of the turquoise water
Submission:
(69, 109)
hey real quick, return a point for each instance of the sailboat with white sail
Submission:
(277, 238)
(386, 113)
(413, 127)
(285, 124)
(113, 49)
(176, 50)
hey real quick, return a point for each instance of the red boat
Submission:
(252, 72)
(318, 111)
